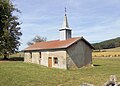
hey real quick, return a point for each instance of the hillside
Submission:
(112, 43)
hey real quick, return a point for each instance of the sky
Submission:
(95, 20)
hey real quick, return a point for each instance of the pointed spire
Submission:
(65, 31)
(65, 21)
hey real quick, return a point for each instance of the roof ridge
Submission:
(47, 41)
(55, 44)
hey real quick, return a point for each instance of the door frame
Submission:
(49, 61)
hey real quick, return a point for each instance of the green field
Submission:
(27, 74)
(117, 49)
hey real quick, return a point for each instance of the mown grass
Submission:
(113, 52)
(28, 74)
(105, 54)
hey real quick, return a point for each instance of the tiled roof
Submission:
(56, 44)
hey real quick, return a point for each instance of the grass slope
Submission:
(26, 74)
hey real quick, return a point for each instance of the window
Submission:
(30, 54)
(55, 60)
(40, 54)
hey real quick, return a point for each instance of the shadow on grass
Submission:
(13, 59)
(96, 65)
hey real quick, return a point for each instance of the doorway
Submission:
(50, 62)
(39, 57)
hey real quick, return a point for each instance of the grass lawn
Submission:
(28, 74)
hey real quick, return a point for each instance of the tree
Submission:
(9, 28)
(37, 39)
(112, 43)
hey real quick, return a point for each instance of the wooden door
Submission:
(50, 62)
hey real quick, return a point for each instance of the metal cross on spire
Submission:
(65, 11)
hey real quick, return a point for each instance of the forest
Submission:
(112, 43)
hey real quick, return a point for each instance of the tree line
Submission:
(112, 43)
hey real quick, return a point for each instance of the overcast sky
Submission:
(95, 20)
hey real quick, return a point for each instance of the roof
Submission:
(56, 44)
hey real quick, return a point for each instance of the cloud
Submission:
(96, 20)
(102, 31)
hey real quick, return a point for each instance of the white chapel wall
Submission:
(61, 55)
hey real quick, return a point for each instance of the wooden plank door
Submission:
(50, 62)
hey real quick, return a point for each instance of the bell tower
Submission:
(65, 31)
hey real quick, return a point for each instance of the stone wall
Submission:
(36, 57)
(60, 54)
(78, 55)
(33, 57)
(42, 58)
(27, 57)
